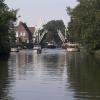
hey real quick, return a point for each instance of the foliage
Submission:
(7, 18)
(52, 27)
(85, 23)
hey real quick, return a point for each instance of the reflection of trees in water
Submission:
(53, 64)
(51, 61)
(24, 61)
(25, 58)
(83, 75)
(5, 80)
(28, 62)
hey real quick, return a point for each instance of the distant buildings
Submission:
(24, 33)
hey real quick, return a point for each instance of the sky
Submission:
(39, 12)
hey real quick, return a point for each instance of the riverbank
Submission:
(97, 54)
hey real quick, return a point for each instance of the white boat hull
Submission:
(14, 50)
(72, 49)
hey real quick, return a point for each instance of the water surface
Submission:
(52, 75)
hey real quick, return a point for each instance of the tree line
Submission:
(7, 34)
(52, 27)
(84, 26)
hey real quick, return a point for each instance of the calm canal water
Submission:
(52, 75)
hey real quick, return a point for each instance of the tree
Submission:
(7, 19)
(85, 23)
(52, 27)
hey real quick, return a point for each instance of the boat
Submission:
(14, 50)
(37, 48)
(51, 45)
(39, 51)
(71, 47)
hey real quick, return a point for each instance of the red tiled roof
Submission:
(21, 29)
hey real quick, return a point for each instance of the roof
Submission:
(22, 28)
(32, 29)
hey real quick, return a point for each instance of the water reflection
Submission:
(29, 63)
(23, 62)
(83, 75)
(51, 75)
(54, 64)
(5, 86)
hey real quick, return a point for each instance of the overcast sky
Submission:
(37, 12)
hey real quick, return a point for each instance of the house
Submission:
(24, 33)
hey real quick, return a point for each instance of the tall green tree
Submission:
(7, 19)
(52, 27)
(85, 23)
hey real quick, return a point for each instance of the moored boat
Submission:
(14, 50)
(37, 48)
(71, 46)
(51, 45)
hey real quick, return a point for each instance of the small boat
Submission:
(39, 51)
(14, 50)
(73, 47)
(37, 48)
(51, 45)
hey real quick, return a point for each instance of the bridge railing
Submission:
(61, 35)
(41, 37)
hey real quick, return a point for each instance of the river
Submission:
(52, 75)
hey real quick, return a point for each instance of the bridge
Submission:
(38, 37)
